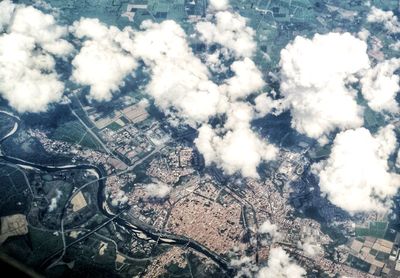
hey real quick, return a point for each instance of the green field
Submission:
(320, 152)
(75, 133)
(15, 196)
(114, 126)
(370, 118)
(44, 243)
(375, 229)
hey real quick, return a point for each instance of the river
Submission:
(140, 229)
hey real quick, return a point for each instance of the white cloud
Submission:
(264, 105)
(43, 28)
(398, 159)
(235, 147)
(245, 266)
(180, 83)
(54, 201)
(230, 31)
(104, 59)
(205, 143)
(395, 46)
(241, 261)
(271, 229)
(315, 76)
(181, 87)
(215, 61)
(240, 150)
(119, 199)
(387, 18)
(6, 12)
(247, 79)
(280, 265)
(218, 5)
(28, 80)
(178, 78)
(364, 34)
(22, 81)
(380, 86)
(356, 175)
(310, 247)
(158, 190)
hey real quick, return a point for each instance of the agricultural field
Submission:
(15, 197)
(75, 133)
(375, 229)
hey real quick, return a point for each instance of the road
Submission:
(135, 226)
(92, 133)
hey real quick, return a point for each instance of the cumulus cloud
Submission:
(315, 77)
(265, 104)
(178, 78)
(395, 46)
(398, 159)
(218, 5)
(271, 229)
(180, 83)
(387, 18)
(6, 12)
(310, 247)
(240, 150)
(54, 201)
(380, 86)
(235, 147)
(28, 80)
(280, 265)
(181, 86)
(245, 266)
(356, 175)
(215, 61)
(364, 34)
(119, 199)
(247, 79)
(230, 31)
(43, 29)
(105, 58)
(158, 190)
